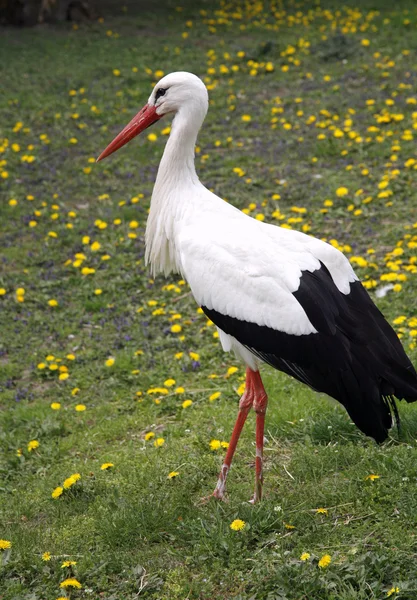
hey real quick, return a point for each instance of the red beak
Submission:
(145, 117)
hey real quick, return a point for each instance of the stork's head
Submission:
(178, 92)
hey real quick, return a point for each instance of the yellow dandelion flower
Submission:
(57, 492)
(80, 407)
(106, 466)
(32, 445)
(70, 481)
(214, 396)
(237, 525)
(372, 477)
(342, 191)
(71, 582)
(169, 382)
(109, 362)
(149, 435)
(393, 590)
(215, 445)
(46, 556)
(305, 556)
(159, 442)
(322, 511)
(173, 474)
(325, 561)
(5, 544)
(68, 563)
(55, 405)
(186, 403)
(152, 137)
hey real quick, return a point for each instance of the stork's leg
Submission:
(260, 402)
(245, 405)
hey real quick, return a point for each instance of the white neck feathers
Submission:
(175, 186)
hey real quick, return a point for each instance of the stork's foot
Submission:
(214, 496)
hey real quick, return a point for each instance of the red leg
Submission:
(260, 403)
(244, 407)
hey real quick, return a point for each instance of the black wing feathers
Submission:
(355, 356)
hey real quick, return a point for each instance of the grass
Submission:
(330, 93)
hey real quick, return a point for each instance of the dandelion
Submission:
(246, 118)
(80, 407)
(176, 328)
(159, 442)
(305, 556)
(173, 474)
(372, 477)
(71, 582)
(325, 561)
(32, 445)
(55, 405)
(393, 590)
(46, 556)
(68, 563)
(110, 362)
(5, 544)
(322, 511)
(70, 481)
(186, 403)
(57, 492)
(214, 396)
(149, 436)
(237, 525)
(106, 466)
(152, 137)
(169, 382)
(215, 445)
(341, 192)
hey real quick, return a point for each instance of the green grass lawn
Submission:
(313, 126)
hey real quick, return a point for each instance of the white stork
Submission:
(276, 295)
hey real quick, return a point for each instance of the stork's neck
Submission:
(177, 163)
(175, 189)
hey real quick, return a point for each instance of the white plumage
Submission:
(276, 295)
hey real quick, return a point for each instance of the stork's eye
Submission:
(159, 93)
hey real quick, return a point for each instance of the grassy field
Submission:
(115, 383)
